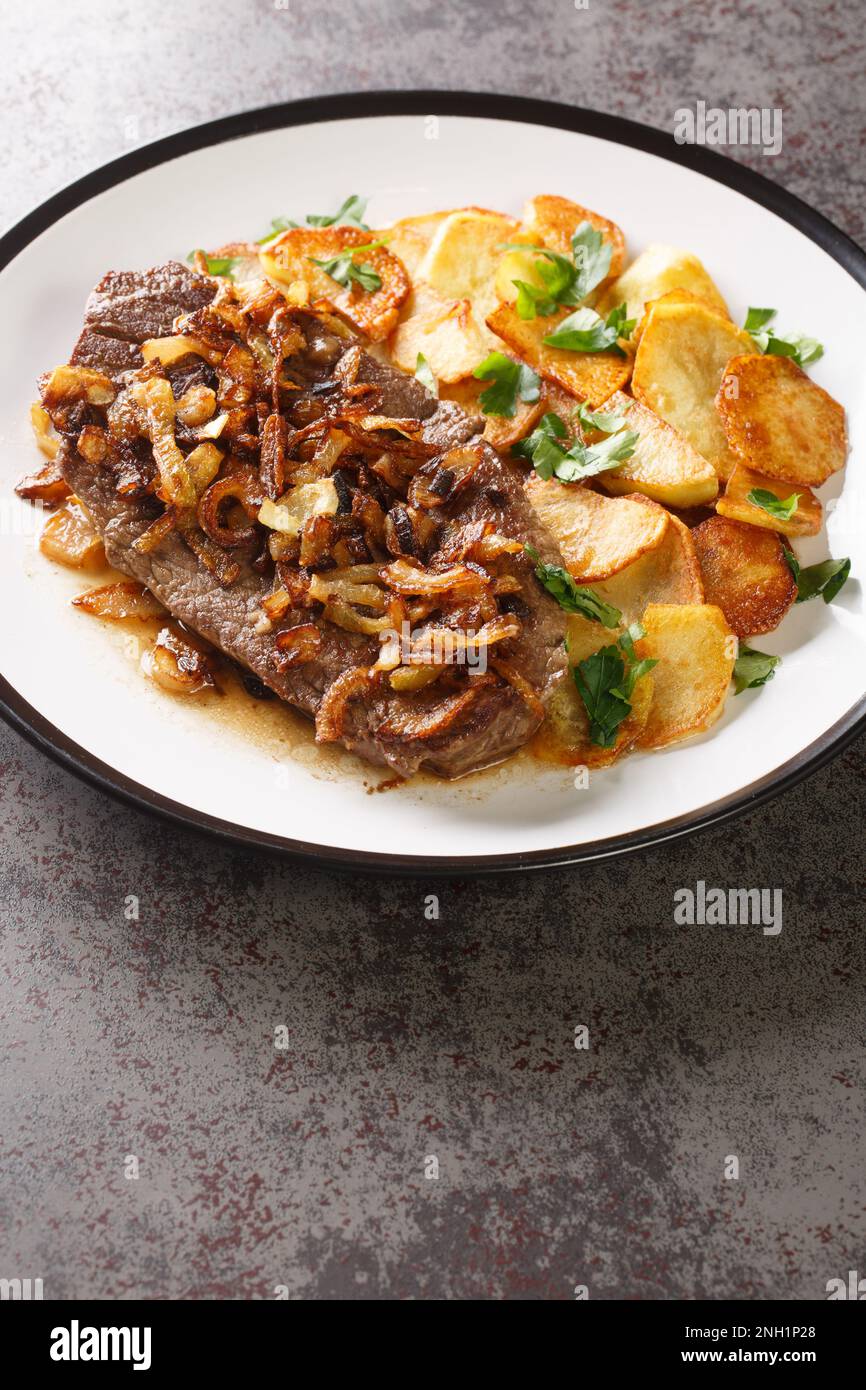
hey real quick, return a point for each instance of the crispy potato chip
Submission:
(745, 573)
(779, 422)
(375, 312)
(652, 274)
(806, 520)
(462, 258)
(588, 376)
(597, 536)
(564, 735)
(448, 336)
(553, 221)
(679, 365)
(668, 574)
(696, 651)
(664, 465)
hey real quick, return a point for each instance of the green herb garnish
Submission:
(796, 345)
(511, 381)
(346, 272)
(571, 596)
(349, 215)
(782, 509)
(216, 265)
(605, 683)
(551, 459)
(823, 580)
(753, 668)
(424, 374)
(565, 281)
(587, 331)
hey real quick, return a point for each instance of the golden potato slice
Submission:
(597, 536)
(670, 297)
(806, 520)
(679, 365)
(552, 220)
(564, 735)
(668, 574)
(448, 336)
(588, 376)
(653, 273)
(745, 573)
(779, 422)
(287, 261)
(696, 651)
(664, 465)
(410, 237)
(462, 258)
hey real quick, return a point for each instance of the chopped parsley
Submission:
(346, 272)
(587, 331)
(753, 668)
(551, 459)
(512, 381)
(782, 509)
(823, 580)
(349, 215)
(605, 683)
(424, 374)
(566, 281)
(796, 345)
(571, 596)
(216, 265)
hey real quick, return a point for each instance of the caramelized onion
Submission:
(297, 645)
(128, 599)
(177, 665)
(70, 537)
(48, 486)
(331, 714)
(445, 645)
(528, 695)
(407, 579)
(239, 488)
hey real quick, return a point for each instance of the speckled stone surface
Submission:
(407, 1040)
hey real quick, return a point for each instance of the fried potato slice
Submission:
(668, 574)
(806, 520)
(680, 361)
(564, 735)
(664, 465)
(553, 221)
(288, 261)
(462, 258)
(745, 573)
(780, 422)
(447, 334)
(588, 376)
(245, 254)
(656, 271)
(597, 536)
(696, 651)
(410, 237)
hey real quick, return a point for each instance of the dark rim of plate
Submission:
(313, 110)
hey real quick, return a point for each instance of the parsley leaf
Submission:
(591, 258)
(424, 374)
(775, 506)
(345, 271)
(753, 668)
(216, 265)
(349, 215)
(571, 596)
(587, 331)
(565, 282)
(823, 580)
(803, 350)
(551, 459)
(606, 421)
(511, 380)
(605, 682)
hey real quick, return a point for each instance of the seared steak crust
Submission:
(457, 723)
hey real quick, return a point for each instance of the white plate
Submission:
(72, 684)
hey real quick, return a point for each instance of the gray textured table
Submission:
(409, 1039)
